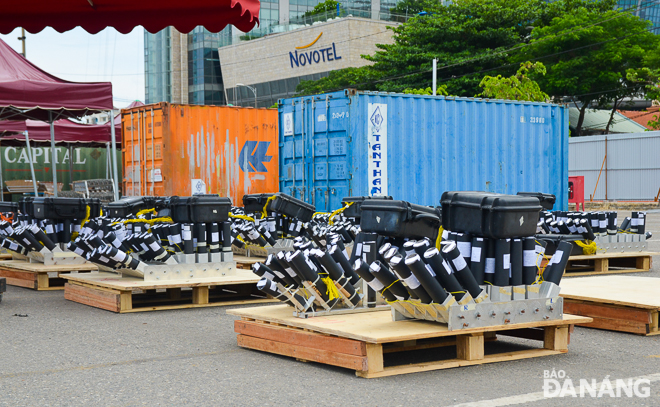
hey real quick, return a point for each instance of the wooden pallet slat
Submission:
(38, 276)
(616, 303)
(124, 294)
(361, 341)
(609, 263)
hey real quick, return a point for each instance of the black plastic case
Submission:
(6, 207)
(354, 211)
(127, 206)
(496, 216)
(200, 208)
(253, 203)
(547, 200)
(399, 219)
(60, 208)
(290, 206)
(26, 205)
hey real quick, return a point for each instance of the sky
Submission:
(79, 56)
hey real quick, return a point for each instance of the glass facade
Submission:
(204, 76)
(157, 67)
(204, 72)
(645, 9)
(269, 92)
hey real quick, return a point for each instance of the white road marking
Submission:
(529, 397)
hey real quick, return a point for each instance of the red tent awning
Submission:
(124, 15)
(66, 131)
(26, 88)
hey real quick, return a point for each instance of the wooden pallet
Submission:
(38, 276)
(365, 342)
(609, 263)
(616, 303)
(124, 294)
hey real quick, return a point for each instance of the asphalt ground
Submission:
(55, 352)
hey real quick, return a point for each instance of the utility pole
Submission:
(22, 38)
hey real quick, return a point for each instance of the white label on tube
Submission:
(187, 235)
(268, 276)
(277, 273)
(215, 237)
(376, 285)
(366, 248)
(310, 264)
(253, 234)
(154, 246)
(459, 263)
(476, 254)
(640, 221)
(431, 272)
(490, 266)
(411, 282)
(447, 267)
(49, 229)
(290, 271)
(602, 224)
(144, 247)
(103, 259)
(594, 223)
(506, 260)
(346, 254)
(465, 248)
(119, 257)
(176, 239)
(358, 249)
(529, 258)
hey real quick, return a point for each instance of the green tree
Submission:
(358, 78)
(517, 87)
(439, 90)
(411, 7)
(321, 8)
(588, 53)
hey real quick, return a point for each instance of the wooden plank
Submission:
(115, 282)
(188, 306)
(643, 263)
(89, 296)
(42, 281)
(375, 362)
(40, 267)
(300, 338)
(630, 291)
(556, 338)
(19, 282)
(200, 295)
(377, 326)
(125, 301)
(592, 309)
(452, 363)
(618, 325)
(470, 347)
(600, 273)
(18, 274)
(613, 255)
(601, 265)
(315, 355)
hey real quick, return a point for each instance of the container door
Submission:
(291, 149)
(331, 155)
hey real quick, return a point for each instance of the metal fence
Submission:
(617, 167)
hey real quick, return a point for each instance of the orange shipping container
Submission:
(183, 149)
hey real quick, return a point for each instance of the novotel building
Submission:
(274, 65)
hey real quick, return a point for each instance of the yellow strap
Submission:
(144, 211)
(588, 246)
(165, 219)
(337, 212)
(74, 235)
(231, 215)
(320, 213)
(332, 291)
(264, 214)
(439, 239)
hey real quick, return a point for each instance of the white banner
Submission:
(377, 139)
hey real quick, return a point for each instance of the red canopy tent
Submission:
(66, 131)
(29, 93)
(124, 15)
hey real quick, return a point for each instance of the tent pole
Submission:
(29, 151)
(2, 184)
(108, 165)
(113, 139)
(71, 165)
(53, 152)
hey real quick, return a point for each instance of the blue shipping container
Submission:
(416, 147)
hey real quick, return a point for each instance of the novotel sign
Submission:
(316, 56)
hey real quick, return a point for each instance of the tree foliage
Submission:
(358, 78)
(589, 53)
(439, 90)
(410, 7)
(517, 87)
(326, 6)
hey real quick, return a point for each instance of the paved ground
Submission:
(63, 353)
